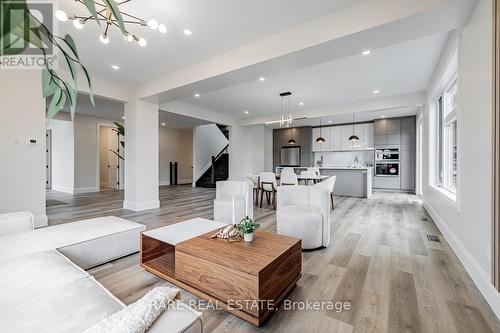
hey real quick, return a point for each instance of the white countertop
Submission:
(332, 167)
(344, 168)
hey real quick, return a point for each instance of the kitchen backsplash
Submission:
(344, 158)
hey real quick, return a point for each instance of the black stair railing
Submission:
(214, 160)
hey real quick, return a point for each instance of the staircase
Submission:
(221, 172)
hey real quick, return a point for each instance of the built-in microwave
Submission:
(386, 169)
(387, 154)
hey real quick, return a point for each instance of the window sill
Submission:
(450, 197)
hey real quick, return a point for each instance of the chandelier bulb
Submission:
(104, 39)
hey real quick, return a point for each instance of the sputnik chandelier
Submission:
(105, 14)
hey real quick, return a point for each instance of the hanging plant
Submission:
(35, 34)
(120, 129)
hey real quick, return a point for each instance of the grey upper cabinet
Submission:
(394, 126)
(380, 127)
(302, 137)
(408, 125)
(306, 155)
(388, 132)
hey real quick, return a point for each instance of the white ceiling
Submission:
(394, 70)
(218, 26)
(348, 117)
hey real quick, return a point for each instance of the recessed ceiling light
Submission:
(163, 124)
(197, 95)
(262, 79)
(329, 121)
(123, 117)
(115, 67)
(376, 91)
(188, 32)
(301, 103)
(366, 52)
(246, 112)
(382, 116)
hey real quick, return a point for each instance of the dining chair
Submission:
(287, 169)
(254, 180)
(311, 174)
(289, 178)
(268, 185)
(314, 169)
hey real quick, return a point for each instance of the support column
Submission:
(141, 156)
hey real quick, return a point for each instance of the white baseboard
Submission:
(179, 182)
(480, 277)
(40, 221)
(140, 206)
(64, 189)
(89, 189)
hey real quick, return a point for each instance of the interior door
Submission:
(113, 160)
(48, 159)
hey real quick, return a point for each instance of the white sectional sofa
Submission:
(43, 287)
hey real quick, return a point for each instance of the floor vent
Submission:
(433, 238)
(424, 218)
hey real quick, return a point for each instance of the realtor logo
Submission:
(26, 31)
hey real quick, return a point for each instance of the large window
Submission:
(447, 138)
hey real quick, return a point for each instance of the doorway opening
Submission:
(111, 166)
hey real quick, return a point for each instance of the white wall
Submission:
(63, 155)
(208, 141)
(467, 224)
(22, 170)
(250, 151)
(176, 145)
(268, 146)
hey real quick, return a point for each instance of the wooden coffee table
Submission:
(249, 280)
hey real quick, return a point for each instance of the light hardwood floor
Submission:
(379, 259)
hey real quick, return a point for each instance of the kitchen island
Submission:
(350, 182)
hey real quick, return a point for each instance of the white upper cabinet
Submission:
(325, 133)
(347, 131)
(335, 138)
(315, 134)
(369, 135)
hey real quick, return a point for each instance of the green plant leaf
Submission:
(116, 13)
(72, 94)
(49, 83)
(89, 83)
(71, 44)
(56, 103)
(119, 128)
(91, 7)
(119, 156)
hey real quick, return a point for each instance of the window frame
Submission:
(445, 143)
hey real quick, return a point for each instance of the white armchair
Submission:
(13, 223)
(304, 212)
(241, 191)
(329, 184)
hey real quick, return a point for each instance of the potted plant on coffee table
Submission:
(246, 227)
